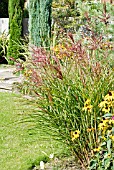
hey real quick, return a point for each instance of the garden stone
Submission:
(8, 78)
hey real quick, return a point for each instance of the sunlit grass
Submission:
(21, 144)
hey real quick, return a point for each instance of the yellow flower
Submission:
(109, 155)
(103, 104)
(29, 71)
(97, 149)
(105, 121)
(111, 121)
(87, 106)
(106, 109)
(75, 134)
(103, 125)
(90, 129)
(109, 96)
(103, 138)
(87, 102)
(112, 137)
(111, 103)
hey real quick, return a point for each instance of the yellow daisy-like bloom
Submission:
(87, 106)
(97, 149)
(103, 104)
(109, 96)
(106, 109)
(111, 103)
(60, 51)
(111, 121)
(103, 125)
(112, 137)
(105, 121)
(103, 138)
(90, 129)
(109, 155)
(87, 102)
(75, 134)
(28, 73)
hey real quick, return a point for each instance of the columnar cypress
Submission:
(40, 22)
(15, 9)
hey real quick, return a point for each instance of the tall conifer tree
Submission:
(15, 9)
(40, 22)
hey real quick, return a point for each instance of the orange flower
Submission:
(90, 129)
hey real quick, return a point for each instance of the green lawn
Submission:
(21, 145)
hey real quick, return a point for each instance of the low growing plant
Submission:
(3, 46)
(103, 157)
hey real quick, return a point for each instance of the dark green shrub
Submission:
(15, 27)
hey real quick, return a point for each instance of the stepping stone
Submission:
(8, 78)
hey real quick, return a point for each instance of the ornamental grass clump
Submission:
(68, 83)
(67, 93)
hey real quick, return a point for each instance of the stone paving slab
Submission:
(7, 78)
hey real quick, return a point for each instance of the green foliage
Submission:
(3, 45)
(103, 157)
(15, 27)
(40, 22)
(65, 15)
(73, 17)
(62, 87)
(61, 103)
(100, 19)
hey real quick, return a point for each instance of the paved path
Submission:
(7, 78)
